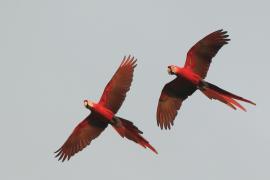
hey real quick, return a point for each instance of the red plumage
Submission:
(191, 77)
(103, 113)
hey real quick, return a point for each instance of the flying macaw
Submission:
(191, 77)
(104, 113)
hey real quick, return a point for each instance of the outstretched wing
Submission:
(82, 135)
(170, 100)
(200, 55)
(115, 91)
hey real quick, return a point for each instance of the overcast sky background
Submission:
(56, 53)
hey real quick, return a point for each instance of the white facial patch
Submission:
(90, 103)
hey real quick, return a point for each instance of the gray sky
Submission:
(56, 53)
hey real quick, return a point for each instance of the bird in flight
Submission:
(191, 77)
(104, 113)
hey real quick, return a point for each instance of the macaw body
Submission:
(191, 77)
(103, 113)
(187, 74)
(124, 127)
(98, 108)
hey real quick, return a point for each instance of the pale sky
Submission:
(56, 53)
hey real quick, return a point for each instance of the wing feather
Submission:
(115, 91)
(199, 57)
(87, 130)
(170, 101)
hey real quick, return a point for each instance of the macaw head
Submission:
(172, 69)
(88, 104)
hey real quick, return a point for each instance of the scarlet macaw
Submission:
(103, 113)
(191, 77)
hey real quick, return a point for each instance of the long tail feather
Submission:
(224, 92)
(214, 92)
(127, 129)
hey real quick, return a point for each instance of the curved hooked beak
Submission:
(85, 103)
(169, 70)
(88, 104)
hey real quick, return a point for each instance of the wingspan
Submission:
(200, 55)
(115, 91)
(170, 101)
(87, 130)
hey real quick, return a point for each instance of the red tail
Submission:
(214, 92)
(127, 129)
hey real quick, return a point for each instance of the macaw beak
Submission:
(88, 104)
(169, 70)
